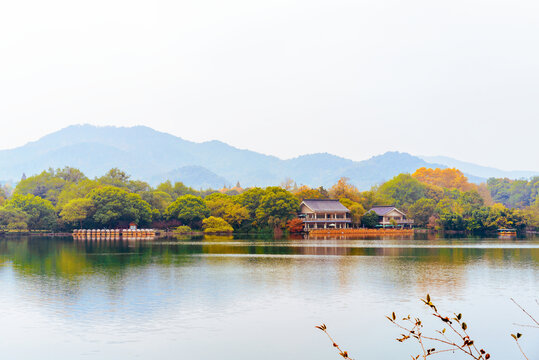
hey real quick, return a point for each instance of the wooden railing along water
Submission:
(114, 234)
(361, 231)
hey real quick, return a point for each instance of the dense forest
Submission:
(438, 199)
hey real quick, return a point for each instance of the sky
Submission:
(354, 78)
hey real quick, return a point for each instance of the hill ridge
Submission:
(152, 155)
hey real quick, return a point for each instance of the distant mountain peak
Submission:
(478, 170)
(150, 155)
(324, 155)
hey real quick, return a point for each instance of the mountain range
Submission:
(155, 156)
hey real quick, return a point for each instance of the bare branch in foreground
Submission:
(343, 353)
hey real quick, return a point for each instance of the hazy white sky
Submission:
(355, 78)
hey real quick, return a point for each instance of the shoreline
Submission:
(317, 232)
(353, 232)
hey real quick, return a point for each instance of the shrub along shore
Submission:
(438, 199)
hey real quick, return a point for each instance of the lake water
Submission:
(226, 298)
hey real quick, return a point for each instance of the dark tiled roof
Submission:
(382, 210)
(322, 205)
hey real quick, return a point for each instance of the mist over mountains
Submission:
(154, 156)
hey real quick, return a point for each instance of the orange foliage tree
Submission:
(294, 226)
(447, 178)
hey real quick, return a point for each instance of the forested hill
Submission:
(155, 156)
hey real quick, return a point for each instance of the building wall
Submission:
(399, 217)
(394, 213)
(325, 219)
(326, 225)
(305, 210)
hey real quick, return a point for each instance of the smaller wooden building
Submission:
(324, 214)
(389, 215)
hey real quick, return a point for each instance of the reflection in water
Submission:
(227, 298)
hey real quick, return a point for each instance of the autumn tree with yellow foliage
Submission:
(446, 178)
(343, 189)
(305, 192)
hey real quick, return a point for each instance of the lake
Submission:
(257, 298)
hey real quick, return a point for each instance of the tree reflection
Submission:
(64, 257)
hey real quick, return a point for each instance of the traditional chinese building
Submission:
(324, 214)
(390, 215)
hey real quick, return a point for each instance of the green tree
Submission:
(138, 187)
(115, 177)
(370, 219)
(478, 220)
(448, 205)
(176, 190)
(449, 213)
(216, 225)
(113, 205)
(277, 206)
(372, 197)
(41, 214)
(77, 210)
(502, 217)
(166, 187)
(11, 215)
(159, 200)
(421, 211)
(434, 192)
(45, 185)
(189, 209)
(531, 214)
(250, 199)
(70, 174)
(224, 206)
(76, 190)
(403, 190)
(356, 210)
(514, 193)
(20, 225)
(452, 221)
(470, 201)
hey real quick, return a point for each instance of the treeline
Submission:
(438, 199)
(63, 199)
(515, 193)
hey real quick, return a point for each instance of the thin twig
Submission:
(525, 312)
(524, 325)
(421, 343)
(522, 351)
(436, 339)
(344, 354)
(473, 344)
(441, 351)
